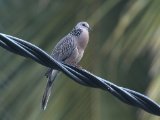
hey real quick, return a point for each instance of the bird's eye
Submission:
(83, 25)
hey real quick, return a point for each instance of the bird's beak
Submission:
(89, 28)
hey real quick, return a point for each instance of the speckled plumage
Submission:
(76, 32)
(64, 48)
(69, 50)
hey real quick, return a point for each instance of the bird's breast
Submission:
(83, 40)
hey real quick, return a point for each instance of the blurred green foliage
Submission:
(124, 48)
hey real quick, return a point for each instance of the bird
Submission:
(69, 50)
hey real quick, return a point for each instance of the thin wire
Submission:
(81, 76)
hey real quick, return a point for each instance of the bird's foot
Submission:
(78, 66)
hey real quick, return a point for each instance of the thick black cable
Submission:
(28, 50)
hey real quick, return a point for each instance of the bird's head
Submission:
(83, 25)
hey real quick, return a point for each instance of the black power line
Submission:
(82, 76)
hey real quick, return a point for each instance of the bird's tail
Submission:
(51, 77)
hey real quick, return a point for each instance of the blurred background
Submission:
(124, 48)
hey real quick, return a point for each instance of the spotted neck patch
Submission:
(76, 32)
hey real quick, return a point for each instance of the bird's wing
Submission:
(64, 48)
